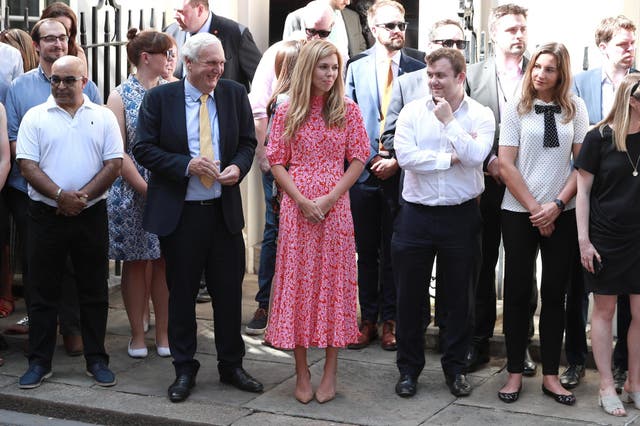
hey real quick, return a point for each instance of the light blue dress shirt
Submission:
(195, 189)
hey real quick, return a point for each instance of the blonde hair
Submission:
(619, 116)
(334, 109)
(562, 93)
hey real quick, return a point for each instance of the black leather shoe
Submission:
(529, 368)
(180, 389)
(619, 378)
(242, 380)
(458, 385)
(562, 399)
(406, 386)
(475, 358)
(570, 378)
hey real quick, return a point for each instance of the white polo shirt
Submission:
(69, 150)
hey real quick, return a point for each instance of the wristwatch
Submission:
(559, 203)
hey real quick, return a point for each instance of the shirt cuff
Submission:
(443, 161)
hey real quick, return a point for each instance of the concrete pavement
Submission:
(365, 387)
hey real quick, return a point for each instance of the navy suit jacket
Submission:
(161, 146)
(362, 86)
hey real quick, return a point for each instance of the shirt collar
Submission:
(191, 91)
(381, 55)
(86, 103)
(205, 27)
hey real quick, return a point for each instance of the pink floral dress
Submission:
(314, 292)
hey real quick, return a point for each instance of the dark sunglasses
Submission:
(312, 32)
(460, 44)
(390, 26)
(68, 81)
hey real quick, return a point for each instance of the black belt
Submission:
(211, 202)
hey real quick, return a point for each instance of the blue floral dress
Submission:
(127, 239)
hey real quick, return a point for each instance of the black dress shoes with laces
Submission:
(242, 380)
(458, 385)
(180, 389)
(406, 386)
(570, 378)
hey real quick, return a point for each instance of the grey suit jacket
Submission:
(357, 43)
(482, 85)
(406, 88)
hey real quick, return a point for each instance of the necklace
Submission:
(635, 167)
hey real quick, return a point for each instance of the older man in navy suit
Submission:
(196, 136)
(368, 82)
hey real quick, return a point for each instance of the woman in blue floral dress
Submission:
(139, 250)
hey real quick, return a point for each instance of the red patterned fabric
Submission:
(314, 291)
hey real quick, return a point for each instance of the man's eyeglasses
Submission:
(390, 26)
(312, 32)
(68, 81)
(460, 44)
(53, 39)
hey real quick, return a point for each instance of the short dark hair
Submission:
(504, 10)
(35, 31)
(454, 56)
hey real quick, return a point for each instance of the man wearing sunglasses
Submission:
(368, 82)
(70, 152)
(26, 91)
(346, 32)
(493, 83)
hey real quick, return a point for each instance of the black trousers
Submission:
(521, 242)
(373, 226)
(202, 243)
(51, 240)
(485, 317)
(68, 311)
(421, 232)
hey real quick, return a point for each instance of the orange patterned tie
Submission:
(384, 104)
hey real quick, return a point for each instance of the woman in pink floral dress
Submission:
(314, 299)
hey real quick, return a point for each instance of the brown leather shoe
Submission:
(73, 345)
(368, 332)
(388, 342)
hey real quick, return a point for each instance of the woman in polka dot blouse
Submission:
(541, 131)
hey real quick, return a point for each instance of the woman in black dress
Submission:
(608, 219)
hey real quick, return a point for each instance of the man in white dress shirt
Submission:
(441, 142)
